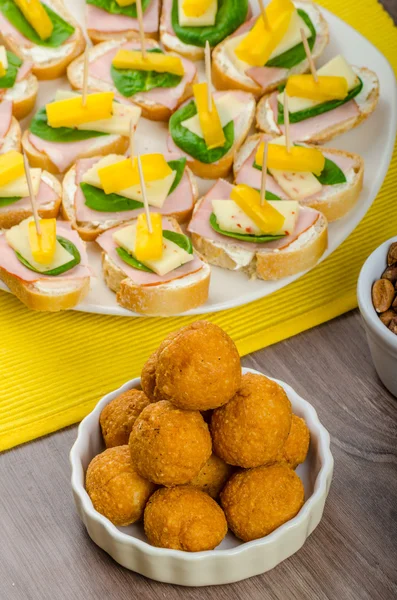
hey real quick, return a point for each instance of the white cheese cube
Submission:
(19, 187)
(207, 18)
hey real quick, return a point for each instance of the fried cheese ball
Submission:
(169, 446)
(116, 489)
(212, 476)
(118, 417)
(253, 427)
(184, 518)
(297, 445)
(198, 369)
(258, 501)
(148, 375)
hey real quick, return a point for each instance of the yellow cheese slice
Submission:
(3, 61)
(172, 255)
(18, 239)
(11, 167)
(42, 245)
(154, 61)
(298, 158)
(35, 14)
(125, 2)
(228, 109)
(327, 87)
(258, 45)
(208, 117)
(19, 187)
(157, 190)
(265, 216)
(124, 174)
(197, 13)
(71, 112)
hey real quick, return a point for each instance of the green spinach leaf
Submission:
(61, 32)
(255, 239)
(69, 246)
(112, 7)
(331, 174)
(231, 14)
(8, 80)
(130, 260)
(193, 144)
(40, 127)
(8, 201)
(297, 54)
(308, 113)
(179, 239)
(178, 166)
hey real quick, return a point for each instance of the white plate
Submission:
(374, 140)
(232, 560)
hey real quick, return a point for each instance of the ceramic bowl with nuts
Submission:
(377, 299)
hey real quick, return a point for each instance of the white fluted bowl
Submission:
(233, 560)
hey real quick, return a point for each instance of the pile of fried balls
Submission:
(200, 449)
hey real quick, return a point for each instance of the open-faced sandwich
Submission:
(207, 138)
(257, 59)
(158, 83)
(318, 111)
(10, 130)
(64, 130)
(17, 84)
(186, 25)
(43, 33)
(15, 205)
(47, 272)
(117, 19)
(102, 192)
(156, 274)
(233, 230)
(328, 180)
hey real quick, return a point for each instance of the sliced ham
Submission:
(8, 30)
(101, 20)
(64, 154)
(46, 195)
(10, 263)
(200, 224)
(306, 129)
(107, 244)
(5, 119)
(267, 76)
(24, 70)
(168, 97)
(180, 199)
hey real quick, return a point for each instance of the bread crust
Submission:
(330, 132)
(23, 106)
(15, 130)
(97, 37)
(192, 52)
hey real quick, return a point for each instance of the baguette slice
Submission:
(100, 146)
(14, 216)
(131, 30)
(336, 201)
(89, 231)
(12, 140)
(319, 129)
(49, 63)
(227, 77)
(150, 109)
(222, 167)
(23, 96)
(161, 300)
(267, 264)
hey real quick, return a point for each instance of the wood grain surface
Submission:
(45, 553)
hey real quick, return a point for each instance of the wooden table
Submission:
(46, 554)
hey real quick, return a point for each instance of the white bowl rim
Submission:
(320, 486)
(364, 295)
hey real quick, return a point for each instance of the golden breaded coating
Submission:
(115, 487)
(169, 446)
(258, 501)
(297, 445)
(184, 518)
(118, 417)
(212, 476)
(199, 369)
(253, 427)
(148, 375)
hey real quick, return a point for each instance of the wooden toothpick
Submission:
(145, 201)
(309, 56)
(264, 15)
(208, 75)
(31, 194)
(141, 29)
(132, 136)
(264, 173)
(85, 75)
(286, 123)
